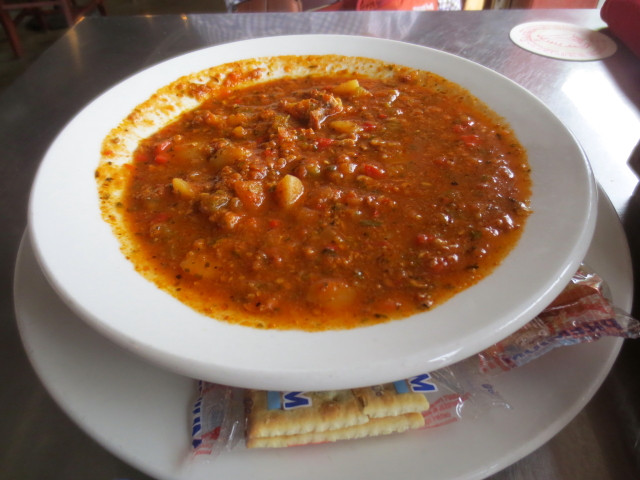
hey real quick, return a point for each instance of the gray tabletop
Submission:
(599, 101)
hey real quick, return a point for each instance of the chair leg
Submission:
(65, 5)
(12, 34)
(41, 20)
(101, 8)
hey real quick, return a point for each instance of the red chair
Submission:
(71, 11)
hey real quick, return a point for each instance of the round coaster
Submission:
(563, 40)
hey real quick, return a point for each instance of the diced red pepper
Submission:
(373, 171)
(140, 158)
(368, 126)
(437, 264)
(471, 140)
(275, 223)
(162, 147)
(162, 158)
(424, 239)
(442, 162)
(324, 142)
(438, 267)
(163, 217)
(458, 128)
(383, 116)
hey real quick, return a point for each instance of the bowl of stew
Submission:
(312, 213)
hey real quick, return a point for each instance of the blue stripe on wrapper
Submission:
(273, 401)
(401, 386)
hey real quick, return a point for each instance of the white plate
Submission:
(140, 412)
(81, 257)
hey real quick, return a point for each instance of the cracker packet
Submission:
(464, 393)
(583, 312)
(270, 419)
(217, 420)
(225, 417)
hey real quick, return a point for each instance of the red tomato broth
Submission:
(418, 194)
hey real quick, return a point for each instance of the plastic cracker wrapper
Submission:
(285, 419)
(583, 312)
(271, 419)
(217, 420)
(225, 416)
